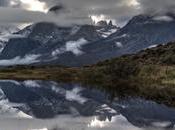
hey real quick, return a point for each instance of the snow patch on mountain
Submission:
(28, 59)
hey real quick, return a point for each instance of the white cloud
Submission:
(74, 95)
(71, 46)
(33, 5)
(21, 16)
(75, 11)
(161, 124)
(78, 11)
(75, 46)
(119, 44)
(121, 123)
(31, 83)
(157, 6)
(28, 59)
(6, 37)
(163, 18)
(8, 110)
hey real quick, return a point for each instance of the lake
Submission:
(47, 105)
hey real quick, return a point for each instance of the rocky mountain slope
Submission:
(84, 45)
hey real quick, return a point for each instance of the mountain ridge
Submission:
(62, 46)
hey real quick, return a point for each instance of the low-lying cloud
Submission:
(26, 60)
(157, 6)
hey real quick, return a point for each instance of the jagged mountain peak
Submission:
(50, 32)
(45, 32)
(82, 45)
(102, 23)
(151, 19)
(139, 19)
(110, 23)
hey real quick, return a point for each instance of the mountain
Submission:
(45, 32)
(6, 32)
(106, 29)
(18, 45)
(88, 44)
(54, 40)
(140, 33)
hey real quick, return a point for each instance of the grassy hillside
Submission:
(149, 74)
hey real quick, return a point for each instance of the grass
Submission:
(152, 82)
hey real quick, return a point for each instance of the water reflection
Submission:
(31, 105)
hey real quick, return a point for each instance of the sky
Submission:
(80, 11)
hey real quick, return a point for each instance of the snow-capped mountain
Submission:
(46, 43)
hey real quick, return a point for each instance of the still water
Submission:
(47, 105)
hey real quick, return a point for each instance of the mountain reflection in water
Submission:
(45, 105)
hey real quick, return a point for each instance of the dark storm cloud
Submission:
(80, 10)
(117, 8)
(157, 6)
(8, 15)
(4, 2)
(111, 8)
(16, 15)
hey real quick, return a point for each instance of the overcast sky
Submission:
(79, 11)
